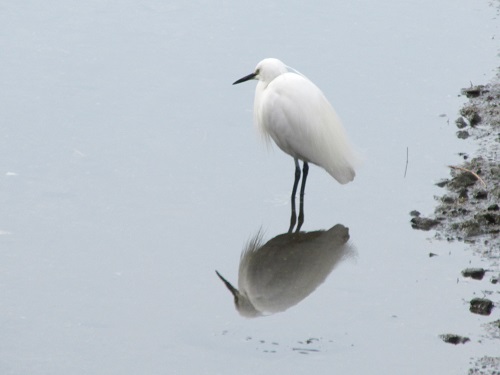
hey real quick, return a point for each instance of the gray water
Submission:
(130, 171)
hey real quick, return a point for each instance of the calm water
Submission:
(130, 171)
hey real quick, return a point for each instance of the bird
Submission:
(293, 112)
(279, 274)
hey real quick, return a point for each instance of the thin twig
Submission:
(471, 172)
(406, 166)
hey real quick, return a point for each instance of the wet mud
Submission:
(469, 210)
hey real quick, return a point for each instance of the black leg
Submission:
(293, 217)
(305, 171)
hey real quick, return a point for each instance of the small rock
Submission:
(470, 113)
(423, 223)
(460, 122)
(470, 228)
(488, 218)
(415, 213)
(481, 194)
(463, 195)
(463, 134)
(493, 207)
(475, 119)
(432, 255)
(451, 338)
(481, 306)
(442, 183)
(495, 279)
(474, 273)
(473, 91)
(447, 199)
(463, 180)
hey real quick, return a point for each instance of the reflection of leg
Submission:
(293, 217)
(305, 170)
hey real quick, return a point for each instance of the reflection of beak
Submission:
(231, 288)
(245, 78)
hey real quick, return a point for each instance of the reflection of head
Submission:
(281, 273)
(241, 302)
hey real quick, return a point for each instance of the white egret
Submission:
(294, 113)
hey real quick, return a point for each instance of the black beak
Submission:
(244, 79)
(231, 288)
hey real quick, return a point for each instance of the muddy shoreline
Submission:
(469, 209)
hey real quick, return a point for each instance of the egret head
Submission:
(265, 71)
(241, 301)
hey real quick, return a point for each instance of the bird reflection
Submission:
(279, 274)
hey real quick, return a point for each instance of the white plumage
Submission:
(294, 113)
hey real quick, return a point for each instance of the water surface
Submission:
(130, 171)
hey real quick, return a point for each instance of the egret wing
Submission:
(297, 116)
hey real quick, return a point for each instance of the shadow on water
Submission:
(282, 272)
